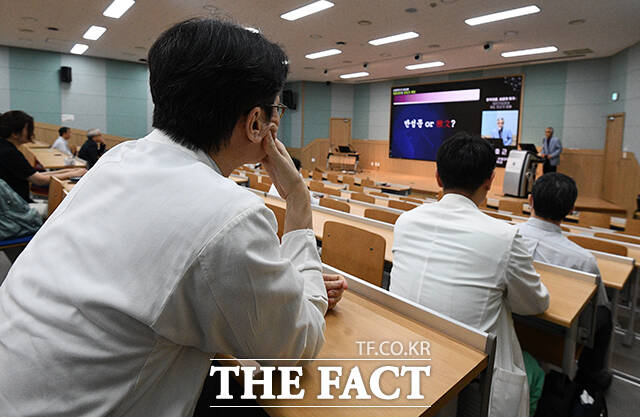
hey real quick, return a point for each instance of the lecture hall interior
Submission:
(350, 207)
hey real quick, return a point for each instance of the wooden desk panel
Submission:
(53, 159)
(356, 318)
(614, 274)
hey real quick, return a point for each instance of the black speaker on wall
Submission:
(65, 74)
(289, 99)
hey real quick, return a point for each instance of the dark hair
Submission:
(205, 74)
(63, 130)
(297, 163)
(13, 122)
(554, 195)
(465, 162)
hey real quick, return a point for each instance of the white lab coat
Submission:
(153, 263)
(451, 257)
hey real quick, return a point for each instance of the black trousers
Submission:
(547, 167)
(593, 360)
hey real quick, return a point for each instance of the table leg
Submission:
(630, 336)
(569, 350)
(614, 318)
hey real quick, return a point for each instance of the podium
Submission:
(520, 173)
(343, 158)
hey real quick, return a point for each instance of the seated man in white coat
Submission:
(451, 257)
(120, 314)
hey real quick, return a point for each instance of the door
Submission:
(339, 132)
(612, 156)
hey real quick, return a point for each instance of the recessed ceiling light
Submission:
(365, 22)
(118, 8)
(53, 28)
(94, 33)
(534, 51)
(323, 54)
(507, 14)
(577, 22)
(354, 75)
(254, 30)
(411, 10)
(303, 11)
(425, 65)
(79, 49)
(341, 43)
(434, 45)
(394, 38)
(511, 33)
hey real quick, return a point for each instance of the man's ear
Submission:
(439, 180)
(255, 127)
(488, 182)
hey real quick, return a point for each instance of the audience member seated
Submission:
(272, 191)
(16, 128)
(93, 148)
(62, 143)
(17, 219)
(451, 257)
(552, 198)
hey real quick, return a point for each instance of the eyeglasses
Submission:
(281, 108)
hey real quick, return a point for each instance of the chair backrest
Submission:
(618, 237)
(591, 218)
(244, 168)
(332, 191)
(355, 251)
(304, 173)
(260, 186)
(348, 179)
(253, 178)
(411, 200)
(599, 245)
(565, 229)
(356, 188)
(316, 186)
(266, 180)
(332, 177)
(363, 197)
(498, 216)
(335, 204)
(317, 175)
(280, 215)
(401, 205)
(236, 172)
(632, 227)
(367, 183)
(56, 194)
(381, 215)
(378, 194)
(440, 195)
(514, 207)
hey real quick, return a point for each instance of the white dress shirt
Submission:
(153, 263)
(451, 257)
(547, 244)
(61, 145)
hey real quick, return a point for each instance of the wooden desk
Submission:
(367, 313)
(36, 144)
(54, 159)
(239, 179)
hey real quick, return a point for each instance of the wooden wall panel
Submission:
(48, 133)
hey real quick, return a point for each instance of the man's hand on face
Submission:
(335, 284)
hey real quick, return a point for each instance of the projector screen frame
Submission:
(521, 109)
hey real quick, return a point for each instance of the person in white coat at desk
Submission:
(451, 257)
(120, 314)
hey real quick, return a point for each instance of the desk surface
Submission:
(357, 318)
(36, 144)
(614, 274)
(53, 159)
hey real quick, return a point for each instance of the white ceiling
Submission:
(610, 27)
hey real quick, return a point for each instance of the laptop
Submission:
(530, 147)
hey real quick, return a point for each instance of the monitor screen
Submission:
(423, 116)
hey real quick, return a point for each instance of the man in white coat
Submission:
(453, 258)
(119, 313)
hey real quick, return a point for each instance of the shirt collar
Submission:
(452, 199)
(544, 225)
(159, 136)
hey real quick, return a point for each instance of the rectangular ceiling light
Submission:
(94, 32)
(322, 54)
(425, 65)
(522, 52)
(354, 75)
(303, 11)
(394, 38)
(118, 8)
(507, 14)
(79, 49)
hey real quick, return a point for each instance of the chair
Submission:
(355, 251)
(591, 218)
(512, 206)
(367, 183)
(356, 188)
(253, 179)
(260, 186)
(378, 194)
(335, 204)
(244, 168)
(618, 237)
(266, 180)
(401, 205)
(632, 227)
(280, 215)
(440, 195)
(304, 173)
(348, 179)
(363, 197)
(316, 186)
(599, 245)
(498, 216)
(332, 177)
(411, 200)
(332, 191)
(381, 215)
(317, 176)
(56, 194)
(565, 229)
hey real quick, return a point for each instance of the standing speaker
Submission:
(65, 74)
(289, 99)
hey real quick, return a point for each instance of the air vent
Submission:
(578, 52)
